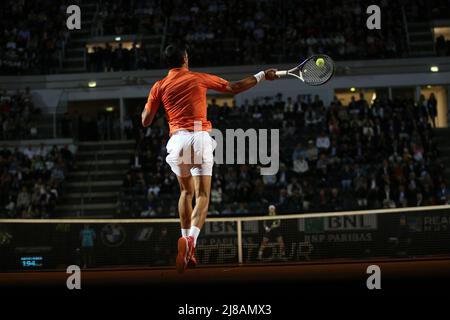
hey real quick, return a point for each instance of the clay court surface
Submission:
(394, 271)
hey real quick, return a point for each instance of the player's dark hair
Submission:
(174, 55)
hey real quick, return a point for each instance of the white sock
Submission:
(194, 232)
(185, 233)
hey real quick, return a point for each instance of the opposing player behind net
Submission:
(272, 230)
(183, 95)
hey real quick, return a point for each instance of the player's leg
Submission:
(185, 203)
(91, 256)
(201, 160)
(282, 246)
(185, 245)
(263, 245)
(84, 257)
(201, 171)
(202, 185)
(175, 149)
(88, 256)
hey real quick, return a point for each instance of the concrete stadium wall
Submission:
(50, 99)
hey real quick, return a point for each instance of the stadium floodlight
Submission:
(92, 84)
(434, 69)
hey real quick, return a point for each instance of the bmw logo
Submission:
(113, 235)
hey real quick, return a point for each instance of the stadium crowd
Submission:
(107, 59)
(219, 32)
(18, 115)
(333, 157)
(31, 179)
(32, 36)
(241, 32)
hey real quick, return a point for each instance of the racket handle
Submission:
(281, 73)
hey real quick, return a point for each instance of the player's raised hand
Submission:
(271, 74)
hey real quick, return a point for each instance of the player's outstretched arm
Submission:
(250, 82)
(147, 117)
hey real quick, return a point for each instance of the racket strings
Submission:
(314, 74)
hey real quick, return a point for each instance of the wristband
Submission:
(260, 76)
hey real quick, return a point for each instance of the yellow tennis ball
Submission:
(320, 62)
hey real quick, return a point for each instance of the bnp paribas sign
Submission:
(338, 223)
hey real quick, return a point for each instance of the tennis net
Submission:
(56, 243)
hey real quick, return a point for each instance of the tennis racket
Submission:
(311, 71)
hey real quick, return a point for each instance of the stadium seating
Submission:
(333, 158)
(17, 115)
(219, 33)
(32, 36)
(31, 179)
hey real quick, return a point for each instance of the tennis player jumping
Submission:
(190, 147)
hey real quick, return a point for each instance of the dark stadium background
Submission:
(72, 144)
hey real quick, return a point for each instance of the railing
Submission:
(405, 25)
(92, 173)
(94, 19)
(86, 192)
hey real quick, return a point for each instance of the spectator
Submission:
(323, 142)
(31, 180)
(301, 165)
(432, 109)
(87, 237)
(442, 194)
(23, 200)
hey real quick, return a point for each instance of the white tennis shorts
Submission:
(190, 153)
